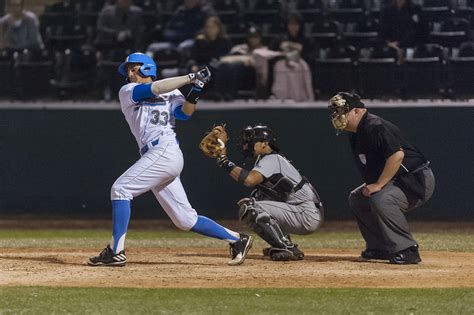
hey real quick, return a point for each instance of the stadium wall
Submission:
(62, 162)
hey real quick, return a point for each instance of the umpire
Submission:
(397, 176)
(282, 202)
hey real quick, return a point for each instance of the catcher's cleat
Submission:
(266, 251)
(293, 253)
(407, 256)
(375, 254)
(108, 258)
(239, 249)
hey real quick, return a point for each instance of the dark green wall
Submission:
(63, 162)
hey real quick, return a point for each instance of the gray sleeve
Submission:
(268, 165)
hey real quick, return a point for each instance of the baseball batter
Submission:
(151, 107)
(283, 200)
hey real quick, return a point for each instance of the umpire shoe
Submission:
(239, 249)
(407, 256)
(107, 258)
(375, 254)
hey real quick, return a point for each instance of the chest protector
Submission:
(277, 188)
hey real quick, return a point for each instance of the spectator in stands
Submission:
(19, 29)
(294, 38)
(402, 25)
(237, 67)
(210, 44)
(187, 20)
(120, 26)
(292, 75)
(247, 60)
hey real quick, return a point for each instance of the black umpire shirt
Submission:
(375, 141)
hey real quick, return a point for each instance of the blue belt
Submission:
(147, 147)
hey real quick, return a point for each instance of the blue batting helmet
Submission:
(148, 68)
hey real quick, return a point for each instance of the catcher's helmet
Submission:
(250, 135)
(148, 68)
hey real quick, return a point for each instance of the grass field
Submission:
(460, 241)
(85, 300)
(40, 300)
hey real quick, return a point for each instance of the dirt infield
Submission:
(206, 268)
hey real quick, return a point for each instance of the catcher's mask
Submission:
(339, 107)
(251, 135)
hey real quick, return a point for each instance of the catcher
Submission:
(282, 202)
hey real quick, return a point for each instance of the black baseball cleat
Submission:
(293, 253)
(266, 251)
(407, 256)
(239, 249)
(108, 258)
(375, 254)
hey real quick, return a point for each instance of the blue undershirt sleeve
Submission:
(179, 114)
(141, 92)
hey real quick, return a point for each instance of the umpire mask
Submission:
(339, 107)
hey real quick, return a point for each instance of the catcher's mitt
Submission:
(213, 144)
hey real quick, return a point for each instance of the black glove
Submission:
(203, 76)
(225, 163)
(195, 93)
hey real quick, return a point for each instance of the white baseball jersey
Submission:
(159, 168)
(152, 118)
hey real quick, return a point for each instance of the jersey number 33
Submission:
(159, 117)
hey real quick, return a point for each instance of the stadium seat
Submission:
(237, 32)
(436, 10)
(53, 20)
(334, 70)
(344, 15)
(348, 11)
(422, 72)
(27, 63)
(451, 33)
(62, 13)
(263, 11)
(247, 87)
(90, 5)
(108, 81)
(166, 56)
(75, 72)
(310, 10)
(465, 9)
(146, 5)
(460, 69)
(378, 72)
(374, 7)
(324, 32)
(227, 10)
(61, 37)
(6, 62)
(363, 33)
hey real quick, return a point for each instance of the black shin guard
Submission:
(264, 225)
(271, 233)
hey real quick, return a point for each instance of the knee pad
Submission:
(251, 213)
(248, 211)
